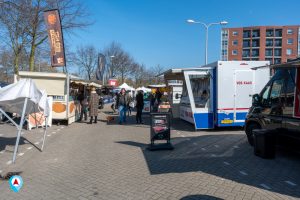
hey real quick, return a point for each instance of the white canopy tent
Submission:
(23, 98)
(126, 87)
(144, 89)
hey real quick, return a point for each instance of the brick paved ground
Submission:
(103, 161)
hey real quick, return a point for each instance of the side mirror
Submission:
(256, 100)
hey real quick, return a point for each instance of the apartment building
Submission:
(276, 44)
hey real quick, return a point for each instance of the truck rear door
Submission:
(244, 89)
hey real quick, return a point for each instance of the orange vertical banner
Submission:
(52, 19)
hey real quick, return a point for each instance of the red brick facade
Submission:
(261, 43)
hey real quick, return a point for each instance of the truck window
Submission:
(265, 96)
(275, 95)
(288, 108)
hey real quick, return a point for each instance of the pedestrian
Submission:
(93, 105)
(122, 102)
(83, 105)
(139, 106)
(113, 105)
(129, 105)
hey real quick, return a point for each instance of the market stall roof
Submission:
(157, 86)
(177, 73)
(47, 75)
(144, 89)
(126, 87)
(12, 97)
(93, 84)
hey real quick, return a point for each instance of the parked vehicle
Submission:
(277, 107)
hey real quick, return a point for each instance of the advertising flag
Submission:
(101, 66)
(55, 36)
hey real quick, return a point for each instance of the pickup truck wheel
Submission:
(249, 132)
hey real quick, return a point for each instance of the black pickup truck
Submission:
(277, 107)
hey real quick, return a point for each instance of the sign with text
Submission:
(297, 95)
(52, 20)
(113, 82)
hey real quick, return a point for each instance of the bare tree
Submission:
(73, 16)
(15, 28)
(157, 70)
(86, 59)
(6, 63)
(121, 62)
(24, 24)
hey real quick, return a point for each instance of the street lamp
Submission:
(191, 21)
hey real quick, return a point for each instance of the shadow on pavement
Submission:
(4, 141)
(228, 156)
(200, 197)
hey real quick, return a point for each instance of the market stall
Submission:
(205, 103)
(63, 89)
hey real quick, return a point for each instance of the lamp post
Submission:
(191, 21)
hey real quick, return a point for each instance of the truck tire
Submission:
(249, 131)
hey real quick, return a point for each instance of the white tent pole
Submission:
(45, 132)
(20, 129)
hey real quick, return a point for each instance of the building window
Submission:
(224, 52)
(235, 42)
(278, 33)
(269, 52)
(246, 53)
(255, 33)
(234, 52)
(277, 61)
(235, 33)
(290, 41)
(246, 43)
(269, 42)
(255, 43)
(270, 33)
(224, 42)
(277, 52)
(289, 31)
(224, 33)
(246, 34)
(278, 43)
(255, 52)
(289, 52)
(269, 59)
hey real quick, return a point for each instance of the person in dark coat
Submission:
(139, 106)
(122, 102)
(93, 105)
(83, 104)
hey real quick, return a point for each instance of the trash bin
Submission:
(264, 143)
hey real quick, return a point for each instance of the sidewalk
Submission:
(110, 161)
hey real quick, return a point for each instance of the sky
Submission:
(155, 32)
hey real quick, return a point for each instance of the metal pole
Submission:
(68, 92)
(45, 132)
(20, 130)
(206, 43)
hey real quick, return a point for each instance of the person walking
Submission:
(122, 102)
(93, 105)
(113, 105)
(129, 105)
(83, 105)
(139, 106)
